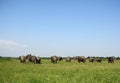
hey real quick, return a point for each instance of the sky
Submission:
(60, 27)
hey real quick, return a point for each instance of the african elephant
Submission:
(31, 58)
(91, 60)
(110, 59)
(22, 59)
(38, 60)
(76, 58)
(54, 59)
(59, 58)
(68, 59)
(81, 59)
(98, 60)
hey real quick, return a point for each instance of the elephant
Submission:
(22, 59)
(54, 59)
(59, 58)
(110, 59)
(81, 59)
(68, 59)
(91, 60)
(98, 60)
(31, 58)
(76, 58)
(38, 60)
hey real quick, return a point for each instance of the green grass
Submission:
(12, 71)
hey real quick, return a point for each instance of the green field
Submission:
(12, 71)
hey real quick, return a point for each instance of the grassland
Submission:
(12, 71)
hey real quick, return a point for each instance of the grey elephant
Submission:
(38, 60)
(68, 59)
(75, 58)
(91, 60)
(110, 59)
(31, 58)
(59, 58)
(22, 59)
(98, 60)
(81, 59)
(54, 59)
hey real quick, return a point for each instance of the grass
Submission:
(12, 71)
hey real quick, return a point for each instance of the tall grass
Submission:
(12, 71)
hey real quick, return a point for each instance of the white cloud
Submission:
(10, 44)
(11, 48)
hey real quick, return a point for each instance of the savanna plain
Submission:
(12, 71)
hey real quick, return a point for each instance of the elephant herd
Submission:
(54, 59)
(110, 60)
(30, 58)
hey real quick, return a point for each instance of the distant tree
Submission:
(117, 58)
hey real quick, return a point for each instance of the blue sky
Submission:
(60, 27)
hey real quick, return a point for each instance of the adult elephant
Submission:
(91, 60)
(22, 59)
(59, 58)
(98, 60)
(110, 59)
(54, 59)
(76, 58)
(81, 59)
(38, 60)
(68, 59)
(31, 58)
